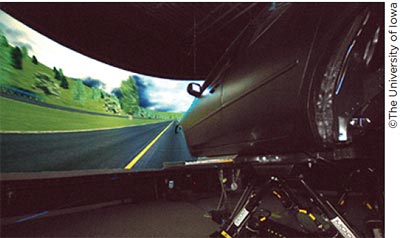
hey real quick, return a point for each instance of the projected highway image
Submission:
(62, 111)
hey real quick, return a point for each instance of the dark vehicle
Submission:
(302, 78)
(299, 77)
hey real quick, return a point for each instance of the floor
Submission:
(150, 219)
(161, 218)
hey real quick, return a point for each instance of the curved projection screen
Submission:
(63, 111)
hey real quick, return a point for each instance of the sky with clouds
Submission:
(156, 93)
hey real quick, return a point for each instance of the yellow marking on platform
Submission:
(276, 216)
(140, 155)
(277, 194)
(312, 216)
(303, 211)
(225, 234)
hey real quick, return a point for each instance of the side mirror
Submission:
(194, 89)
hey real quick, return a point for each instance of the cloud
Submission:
(155, 93)
(94, 83)
(13, 33)
(53, 54)
(27, 46)
(14, 36)
(164, 95)
(144, 88)
(117, 92)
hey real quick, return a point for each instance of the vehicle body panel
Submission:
(266, 82)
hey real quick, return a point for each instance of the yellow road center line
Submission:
(137, 157)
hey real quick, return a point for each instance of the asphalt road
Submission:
(106, 149)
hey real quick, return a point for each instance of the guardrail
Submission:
(10, 90)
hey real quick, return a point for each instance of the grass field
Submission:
(25, 79)
(19, 116)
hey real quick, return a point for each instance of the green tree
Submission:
(96, 93)
(56, 73)
(34, 60)
(3, 41)
(64, 83)
(16, 57)
(103, 94)
(78, 92)
(59, 75)
(24, 51)
(130, 98)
